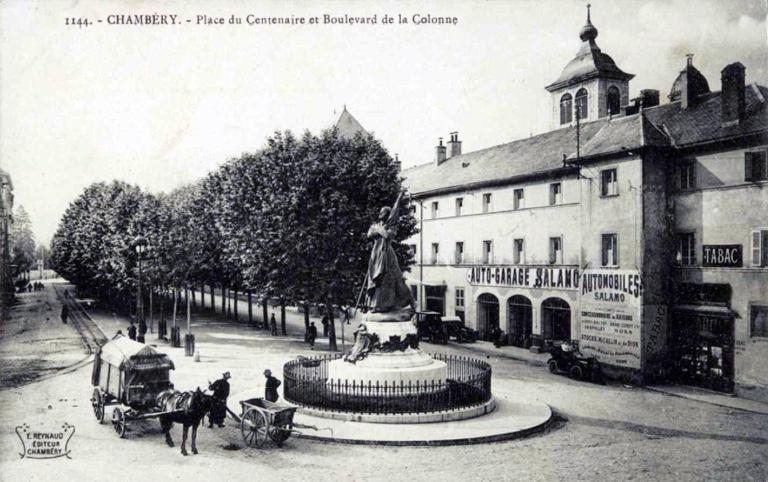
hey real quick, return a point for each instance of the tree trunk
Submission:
(202, 297)
(223, 300)
(331, 327)
(229, 303)
(194, 302)
(282, 316)
(250, 308)
(306, 317)
(237, 317)
(213, 301)
(265, 315)
(175, 298)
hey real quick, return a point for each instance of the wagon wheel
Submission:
(97, 402)
(279, 435)
(254, 428)
(119, 422)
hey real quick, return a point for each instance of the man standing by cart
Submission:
(270, 392)
(220, 390)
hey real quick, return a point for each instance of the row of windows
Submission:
(755, 169)
(609, 186)
(613, 104)
(686, 248)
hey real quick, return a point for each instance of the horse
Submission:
(187, 408)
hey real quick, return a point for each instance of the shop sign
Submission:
(556, 277)
(721, 255)
(611, 310)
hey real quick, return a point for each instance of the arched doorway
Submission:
(487, 315)
(556, 319)
(520, 317)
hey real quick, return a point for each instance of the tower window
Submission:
(614, 100)
(582, 111)
(566, 108)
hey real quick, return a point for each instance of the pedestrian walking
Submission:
(273, 324)
(312, 334)
(132, 331)
(270, 392)
(64, 313)
(220, 390)
(325, 322)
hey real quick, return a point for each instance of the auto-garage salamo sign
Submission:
(611, 310)
(557, 277)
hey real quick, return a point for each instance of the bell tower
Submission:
(591, 85)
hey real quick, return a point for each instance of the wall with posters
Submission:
(611, 316)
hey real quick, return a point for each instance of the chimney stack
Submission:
(440, 153)
(732, 94)
(649, 98)
(397, 163)
(454, 146)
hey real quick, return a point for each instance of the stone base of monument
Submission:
(409, 368)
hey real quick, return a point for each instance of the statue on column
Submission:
(385, 286)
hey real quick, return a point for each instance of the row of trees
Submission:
(23, 253)
(288, 222)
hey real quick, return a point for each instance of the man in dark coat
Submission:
(220, 390)
(64, 313)
(270, 392)
(132, 331)
(325, 323)
(142, 331)
(312, 334)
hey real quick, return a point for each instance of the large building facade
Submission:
(637, 228)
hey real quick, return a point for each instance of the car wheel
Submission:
(552, 364)
(576, 372)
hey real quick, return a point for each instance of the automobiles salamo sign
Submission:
(611, 310)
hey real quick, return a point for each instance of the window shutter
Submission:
(749, 158)
(757, 248)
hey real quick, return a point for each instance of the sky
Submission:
(161, 106)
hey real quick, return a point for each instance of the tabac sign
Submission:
(611, 309)
(525, 276)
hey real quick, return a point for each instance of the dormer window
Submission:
(613, 100)
(566, 109)
(582, 111)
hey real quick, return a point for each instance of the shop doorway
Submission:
(702, 346)
(520, 321)
(487, 315)
(556, 319)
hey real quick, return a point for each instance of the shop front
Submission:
(701, 336)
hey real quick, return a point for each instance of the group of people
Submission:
(137, 334)
(30, 287)
(220, 389)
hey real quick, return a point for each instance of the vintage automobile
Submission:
(456, 329)
(571, 361)
(430, 327)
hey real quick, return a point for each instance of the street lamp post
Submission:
(140, 245)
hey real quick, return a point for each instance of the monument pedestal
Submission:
(392, 362)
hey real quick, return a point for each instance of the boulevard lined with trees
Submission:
(287, 223)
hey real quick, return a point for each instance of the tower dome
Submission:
(697, 83)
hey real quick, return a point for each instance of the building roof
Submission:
(541, 155)
(126, 354)
(347, 125)
(590, 62)
(701, 122)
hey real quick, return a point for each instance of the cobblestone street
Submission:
(612, 432)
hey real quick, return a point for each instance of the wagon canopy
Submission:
(126, 354)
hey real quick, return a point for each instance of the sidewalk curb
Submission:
(664, 392)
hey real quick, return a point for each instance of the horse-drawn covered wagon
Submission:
(129, 375)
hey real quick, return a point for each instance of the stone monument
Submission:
(386, 351)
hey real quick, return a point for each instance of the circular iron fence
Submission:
(306, 383)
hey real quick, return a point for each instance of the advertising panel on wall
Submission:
(611, 316)
(518, 276)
